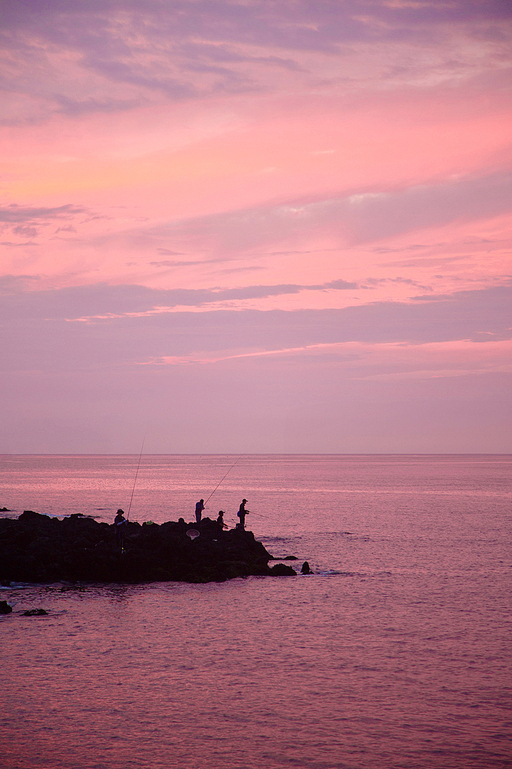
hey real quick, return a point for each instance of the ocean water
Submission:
(395, 653)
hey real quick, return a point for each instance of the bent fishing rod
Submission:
(225, 476)
(135, 481)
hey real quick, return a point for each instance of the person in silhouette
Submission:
(120, 524)
(242, 512)
(199, 510)
(220, 520)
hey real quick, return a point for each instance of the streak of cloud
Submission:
(352, 219)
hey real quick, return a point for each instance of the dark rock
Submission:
(35, 613)
(4, 510)
(305, 568)
(281, 570)
(290, 558)
(5, 608)
(37, 548)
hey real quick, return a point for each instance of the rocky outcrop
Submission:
(5, 608)
(37, 548)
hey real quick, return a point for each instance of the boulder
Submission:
(281, 570)
(35, 613)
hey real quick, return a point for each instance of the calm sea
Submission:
(395, 654)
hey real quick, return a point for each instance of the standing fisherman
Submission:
(120, 524)
(242, 512)
(199, 510)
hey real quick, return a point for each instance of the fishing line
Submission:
(217, 486)
(135, 481)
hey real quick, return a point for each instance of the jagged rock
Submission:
(37, 548)
(5, 608)
(281, 570)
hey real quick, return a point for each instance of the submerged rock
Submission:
(5, 608)
(35, 613)
(37, 548)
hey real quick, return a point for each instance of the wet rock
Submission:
(281, 570)
(5, 608)
(305, 568)
(35, 613)
(37, 548)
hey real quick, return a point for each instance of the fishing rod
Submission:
(217, 486)
(135, 481)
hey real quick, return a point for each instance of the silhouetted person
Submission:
(120, 524)
(199, 510)
(242, 512)
(220, 520)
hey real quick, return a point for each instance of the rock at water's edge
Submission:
(281, 570)
(5, 608)
(37, 548)
(35, 613)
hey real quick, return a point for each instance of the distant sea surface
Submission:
(394, 654)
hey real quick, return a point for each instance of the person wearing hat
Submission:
(220, 520)
(242, 512)
(120, 523)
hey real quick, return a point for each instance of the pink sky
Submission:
(256, 226)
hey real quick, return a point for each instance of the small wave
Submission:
(337, 573)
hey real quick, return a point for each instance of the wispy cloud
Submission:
(22, 222)
(104, 301)
(351, 219)
(133, 314)
(101, 57)
(16, 213)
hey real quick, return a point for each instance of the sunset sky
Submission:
(256, 226)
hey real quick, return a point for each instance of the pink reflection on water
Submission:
(394, 654)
